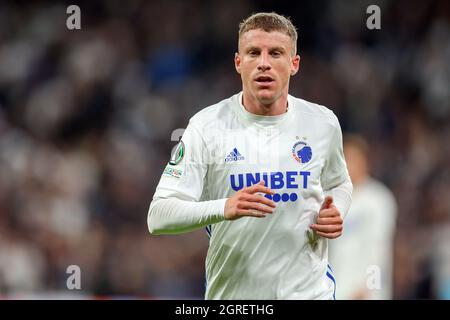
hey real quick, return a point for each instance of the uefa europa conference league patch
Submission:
(175, 158)
(172, 172)
(177, 153)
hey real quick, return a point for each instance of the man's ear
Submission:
(237, 62)
(295, 64)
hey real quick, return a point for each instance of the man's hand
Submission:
(329, 224)
(246, 203)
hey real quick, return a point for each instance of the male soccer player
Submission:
(264, 172)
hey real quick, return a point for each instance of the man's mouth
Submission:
(264, 80)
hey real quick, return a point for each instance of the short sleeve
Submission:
(335, 168)
(183, 176)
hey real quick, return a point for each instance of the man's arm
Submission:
(169, 216)
(172, 215)
(329, 223)
(176, 205)
(342, 196)
(337, 189)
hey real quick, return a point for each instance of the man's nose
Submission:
(264, 63)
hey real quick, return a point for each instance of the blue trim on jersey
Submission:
(329, 267)
(208, 230)
(329, 275)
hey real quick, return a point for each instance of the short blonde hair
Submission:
(270, 22)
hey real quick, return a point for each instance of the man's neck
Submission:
(254, 106)
(360, 179)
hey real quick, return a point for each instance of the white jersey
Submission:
(362, 258)
(299, 155)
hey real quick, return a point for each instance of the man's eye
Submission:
(253, 53)
(276, 53)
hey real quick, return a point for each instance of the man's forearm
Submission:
(169, 216)
(342, 196)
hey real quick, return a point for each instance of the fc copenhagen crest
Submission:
(301, 152)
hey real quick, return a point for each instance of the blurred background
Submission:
(86, 118)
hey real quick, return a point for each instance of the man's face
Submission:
(357, 165)
(265, 63)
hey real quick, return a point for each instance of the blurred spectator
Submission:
(362, 258)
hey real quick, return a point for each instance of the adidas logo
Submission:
(234, 156)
